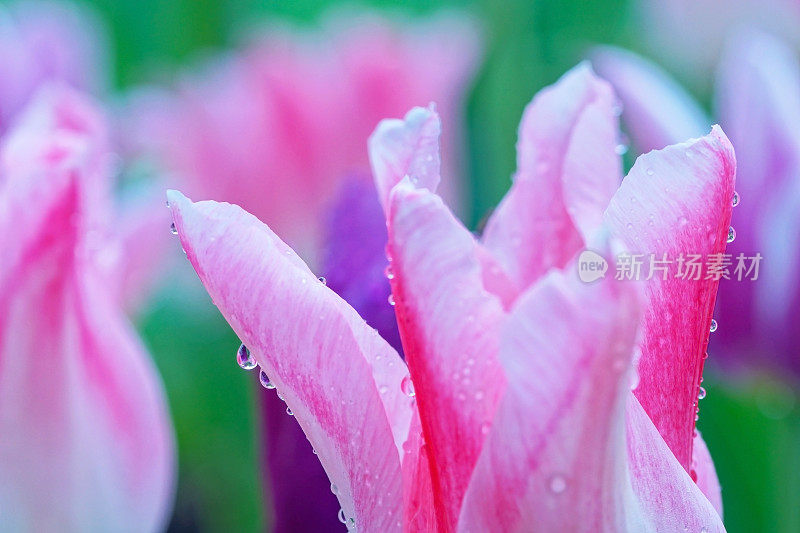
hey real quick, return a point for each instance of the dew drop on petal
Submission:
(391, 299)
(731, 234)
(265, 382)
(649, 172)
(701, 393)
(244, 358)
(289, 411)
(342, 518)
(407, 386)
(323, 280)
(736, 199)
(713, 326)
(173, 229)
(351, 523)
(334, 488)
(557, 484)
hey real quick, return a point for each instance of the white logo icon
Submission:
(591, 266)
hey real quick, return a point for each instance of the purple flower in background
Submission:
(757, 101)
(354, 262)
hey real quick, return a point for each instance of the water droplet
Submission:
(323, 280)
(173, 229)
(731, 234)
(557, 484)
(649, 171)
(351, 523)
(265, 382)
(342, 518)
(713, 326)
(244, 358)
(696, 417)
(289, 411)
(334, 488)
(701, 393)
(407, 386)
(388, 272)
(391, 299)
(621, 149)
(736, 199)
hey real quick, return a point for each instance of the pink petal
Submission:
(567, 171)
(657, 111)
(555, 456)
(87, 443)
(707, 480)
(676, 201)
(407, 147)
(449, 325)
(146, 243)
(338, 376)
(668, 499)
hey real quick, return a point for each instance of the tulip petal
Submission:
(449, 325)
(87, 443)
(567, 171)
(338, 376)
(555, 456)
(676, 201)
(657, 111)
(406, 147)
(668, 498)
(707, 479)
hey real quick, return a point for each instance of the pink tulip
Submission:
(85, 438)
(47, 41)
(689, 35)
(515, 411)
(278, 126)
(758, 102)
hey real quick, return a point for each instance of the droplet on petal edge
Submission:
(265, 382)
(713, 326)
(323, 280)
(244, 358)
(173, 229)
(731, 234)
(391, 299)
(334, 488)
(736, 199)
(407, 386)
(289, 411)
(342, 518)
(701, 393)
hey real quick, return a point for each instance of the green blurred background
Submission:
(750, 423)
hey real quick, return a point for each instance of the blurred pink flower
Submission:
(86, 442)
(520, 410)
(277, 126)
(47, 41)
(758, 104)
(689, 35)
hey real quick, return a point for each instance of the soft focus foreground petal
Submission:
(88, 446)
(449, 325)
(758, 96)
(46, 41)
(555, 458)
(338, 376)
(354, 266)
(63, 126)
(668, 498)
(406, 147)
(676, 201)
(656, 110)
(567, 171)
(707, 480)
